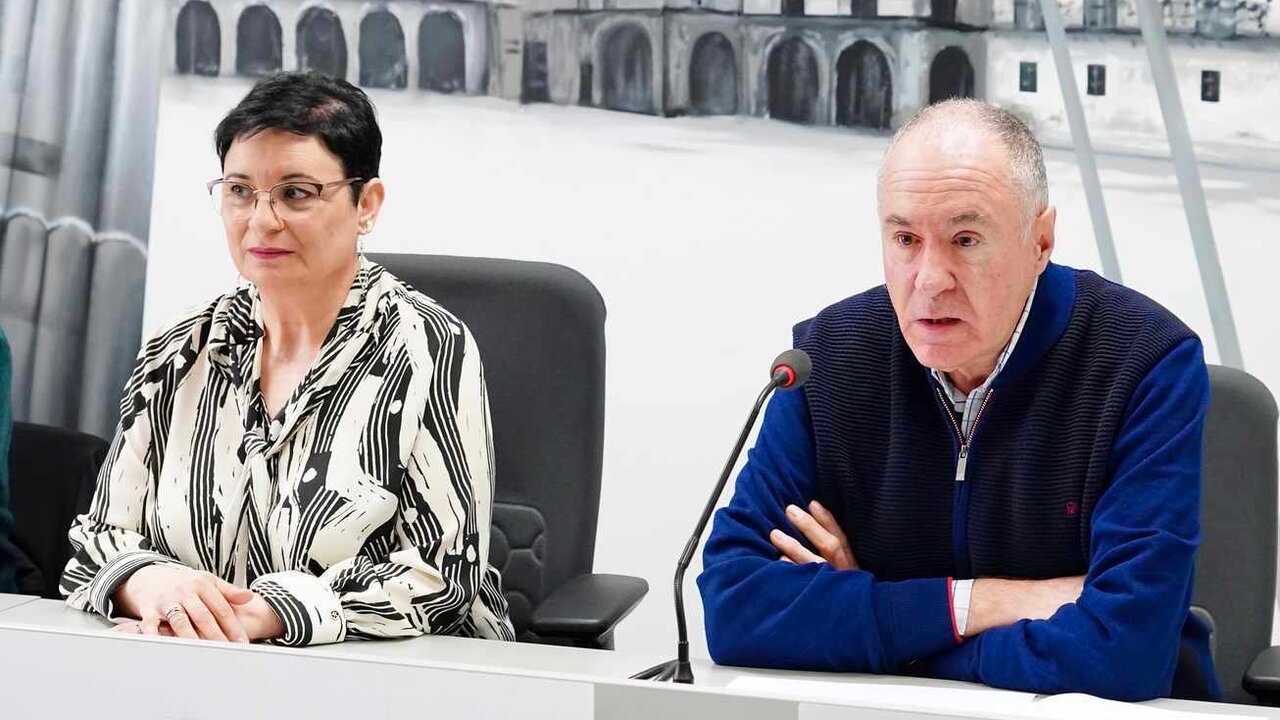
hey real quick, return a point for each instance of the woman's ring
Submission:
(175, 610)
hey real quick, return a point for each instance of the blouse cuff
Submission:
(111, 576)
(309, 609)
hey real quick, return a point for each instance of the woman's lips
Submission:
(268, 253)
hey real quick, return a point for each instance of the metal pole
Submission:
(1188, 171)
(1085, 158)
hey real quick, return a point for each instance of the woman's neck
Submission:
(297, 318)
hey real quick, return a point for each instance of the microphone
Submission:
(789, 370)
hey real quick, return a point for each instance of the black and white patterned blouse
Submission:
(361, 510)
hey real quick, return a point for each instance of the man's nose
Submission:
(934, 276)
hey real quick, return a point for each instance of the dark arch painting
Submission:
(713, 76)
(864, 88)
(257, 42)
(322, 46)
(793, 82)
(626, 78)
(951, 75)
(442, 53)
(198, 40)
(382, 54)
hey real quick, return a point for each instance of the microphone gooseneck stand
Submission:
(678, 670)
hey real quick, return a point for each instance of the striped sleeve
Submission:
(109, 542)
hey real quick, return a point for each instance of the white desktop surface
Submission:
(58, 662)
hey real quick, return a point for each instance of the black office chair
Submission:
(540, 330)
(52, 473)
(1236, 569)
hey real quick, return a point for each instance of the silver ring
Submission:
(175, 610)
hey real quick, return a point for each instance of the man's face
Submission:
(958, 262)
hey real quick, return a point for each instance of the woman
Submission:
(308, 458)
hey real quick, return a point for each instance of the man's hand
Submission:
(996, 603)
(820, 528)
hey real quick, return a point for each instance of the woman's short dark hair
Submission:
(333, 110)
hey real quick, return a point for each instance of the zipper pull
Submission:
(962, 462)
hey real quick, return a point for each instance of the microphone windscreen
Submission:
(799, 364)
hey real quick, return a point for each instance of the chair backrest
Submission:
(540, 330)
(1236, 568)
(52, 473)
(71, 304)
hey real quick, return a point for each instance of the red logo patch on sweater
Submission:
(1072, 507)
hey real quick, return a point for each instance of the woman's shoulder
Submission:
(410, 311)
(191, 330)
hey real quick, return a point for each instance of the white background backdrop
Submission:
(708, 238)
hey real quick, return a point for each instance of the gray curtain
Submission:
(79, 90)
(79, 94)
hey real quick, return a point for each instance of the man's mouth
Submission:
(940, 322)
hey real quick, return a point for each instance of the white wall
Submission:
(708, 238)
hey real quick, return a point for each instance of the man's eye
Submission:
(966, 241)
(904, 240)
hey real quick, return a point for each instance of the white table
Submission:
(56, 662)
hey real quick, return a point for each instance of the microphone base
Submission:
(675, 671)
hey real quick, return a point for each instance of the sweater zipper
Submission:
(960, 508)
(962, 460)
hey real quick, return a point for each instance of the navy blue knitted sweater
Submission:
(1084, 460)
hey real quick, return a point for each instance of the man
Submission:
(993, 473)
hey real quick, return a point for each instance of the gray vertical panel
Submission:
(88, 104)
(1151, 16)
(43, 113)
(1085, 158)
(141, 30)
(21, 272)
(15, 42)
(113, 331)
(64, 300)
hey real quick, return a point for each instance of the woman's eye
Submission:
(240, 191)
(297, 192)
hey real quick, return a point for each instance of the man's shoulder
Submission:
(1104, 307)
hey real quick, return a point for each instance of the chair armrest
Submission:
(587, 607)
(1262, 680)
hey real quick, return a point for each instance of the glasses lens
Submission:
(296, 197)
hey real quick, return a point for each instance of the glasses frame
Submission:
(321, 188)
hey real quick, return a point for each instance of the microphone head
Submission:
(791, 369)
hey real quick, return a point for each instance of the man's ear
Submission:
(1043, 237)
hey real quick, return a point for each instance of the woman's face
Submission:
(304, 240)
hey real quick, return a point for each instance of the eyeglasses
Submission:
(294, 198)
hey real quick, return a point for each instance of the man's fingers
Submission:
(827, 520)
(792, 549)
(223, 615)
(826, 543)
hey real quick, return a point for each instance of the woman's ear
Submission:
(370, 204)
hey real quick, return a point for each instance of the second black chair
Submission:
(540, 329)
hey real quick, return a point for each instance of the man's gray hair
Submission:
(1026, 158)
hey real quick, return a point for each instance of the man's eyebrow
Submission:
(968, 216)
(897, 220)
